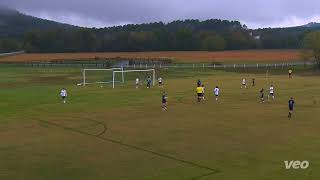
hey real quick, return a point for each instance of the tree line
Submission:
(188, 35)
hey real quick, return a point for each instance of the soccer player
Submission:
(262, 95)
(137, 83)
(199, 91)
(216, 92)
(149, 82)
(271, 90)
(199, 83)
(203, 91)
(63, 94)
(253, 82)
(291, 104)
(164, 101)
(160, 82)
(244, 83)
(290, 73)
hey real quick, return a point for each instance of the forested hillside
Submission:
(19, 31)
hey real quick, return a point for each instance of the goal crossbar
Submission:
(84, 82)
(142, 70)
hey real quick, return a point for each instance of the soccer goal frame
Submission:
(128, 71)
(84, 81)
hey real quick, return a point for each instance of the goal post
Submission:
(85, 72)
(130, 71)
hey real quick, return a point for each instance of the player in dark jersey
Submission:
(291, 105)
(164, 101)
(262, 95)
(149, 82)
(253, 81)
(199, 83)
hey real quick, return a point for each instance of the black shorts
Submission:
(200, 94)
(164, 101)
(160, 83)
(271, 94)
(63, 97)
(216, 95)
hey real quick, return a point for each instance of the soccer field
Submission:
(122, 133)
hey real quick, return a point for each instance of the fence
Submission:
(101, 64)
(218, 66)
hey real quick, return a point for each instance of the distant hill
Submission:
(284, 38)
(314, 25)
(23, 32)
(14, 24)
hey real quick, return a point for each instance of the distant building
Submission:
(257, 37)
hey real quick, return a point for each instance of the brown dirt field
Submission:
(188, 57)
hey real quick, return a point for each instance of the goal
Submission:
(100, 76)
(141, 74)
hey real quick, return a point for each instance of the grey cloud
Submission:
(256, 13)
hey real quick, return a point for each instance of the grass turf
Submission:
(104, 133)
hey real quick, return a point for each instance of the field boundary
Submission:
(11, 53)
(166, 156)
(236, 56)
(105, 65)
(214, 66)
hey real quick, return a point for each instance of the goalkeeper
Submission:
(149, 82)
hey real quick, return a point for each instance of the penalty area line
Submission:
(190, 163)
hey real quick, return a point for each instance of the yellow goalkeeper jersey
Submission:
(199, 90)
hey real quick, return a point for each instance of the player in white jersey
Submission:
(137, 83)
(216, 92)
(160, 82)
(63, 94)
(271, 92)
(244, 83)
(203, 91)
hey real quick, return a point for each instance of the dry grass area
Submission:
(188, 56)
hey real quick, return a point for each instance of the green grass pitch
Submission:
(121, 133)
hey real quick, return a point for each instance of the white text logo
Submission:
(296, 164)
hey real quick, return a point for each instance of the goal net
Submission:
(101, 76)
(130, 76)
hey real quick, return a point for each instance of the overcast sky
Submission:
(101, 13)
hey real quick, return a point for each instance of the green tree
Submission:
(163, 40)
(84, 40)
(9, 45)
(213, 43)
(32, 41)
(312, 42)
(184, 40)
